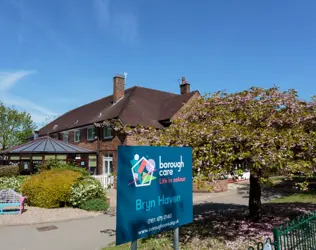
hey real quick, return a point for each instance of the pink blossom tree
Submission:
(266, 129)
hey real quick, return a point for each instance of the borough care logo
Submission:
(142, 171)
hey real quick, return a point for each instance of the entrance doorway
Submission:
(108, 168)
(108, 163)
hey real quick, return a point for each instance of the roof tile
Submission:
(138, 106)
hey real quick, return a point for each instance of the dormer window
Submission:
(107, 132)
(65, 137)
(77, 136)
(91, 134)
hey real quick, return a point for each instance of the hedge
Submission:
(13, 182)
(99, 204)
(50, 189)
(55, 164)
(9, 170)
(86, 188)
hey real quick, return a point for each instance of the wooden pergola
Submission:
(45, 148)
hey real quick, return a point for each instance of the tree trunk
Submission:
(255, 196)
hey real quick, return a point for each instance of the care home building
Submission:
(133, 106)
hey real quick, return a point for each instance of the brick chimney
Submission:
(118, 87)
(184, 86)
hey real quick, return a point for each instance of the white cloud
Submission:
(123, 23)
(25, 103)
(7, 82)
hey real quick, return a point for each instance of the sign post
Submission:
(134, 245)
(154, 192)
(176, 239)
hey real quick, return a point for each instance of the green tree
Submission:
(15, 126)
(265, 129)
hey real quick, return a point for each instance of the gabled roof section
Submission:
(170, 107)
(139, 106)
(144, 107)
(90, 113)
(46, 145)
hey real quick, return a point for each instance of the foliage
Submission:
(55, 164)
(237, 174)
(262, 126)
(13, 182)
(303, 186)
(166, 244)
(15, 126)
(266, 129)
(51, 188)
(10, 170)
(99, 204)
(86, 189)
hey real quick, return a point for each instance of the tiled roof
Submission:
(46, 145)
(139, 105)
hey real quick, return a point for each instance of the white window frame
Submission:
(108, 159)
(91, 139)
(76, 136)
(65, 133)
(105, 136)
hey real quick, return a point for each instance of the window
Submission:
(61, 157)
(77, 136)
(107, 132)
(92, 164)
(50, 157)
(65, 136)
(91, 134)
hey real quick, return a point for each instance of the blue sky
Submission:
(58, 55)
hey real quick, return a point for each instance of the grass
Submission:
(166, 244)
(150, 243)
(277, 178)
(309, 197)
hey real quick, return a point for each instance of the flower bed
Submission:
(210, 187)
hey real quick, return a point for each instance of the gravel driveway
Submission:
(35, 215)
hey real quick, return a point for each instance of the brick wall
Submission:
(106, 145)
(212, 187)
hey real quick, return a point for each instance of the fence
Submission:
(105, 180)
(297, 235)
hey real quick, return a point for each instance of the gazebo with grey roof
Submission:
(44, 148)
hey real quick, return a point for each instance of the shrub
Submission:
(10, 170)
(13, 182)
(55, 164)
(51, 188)
(99, 204)
(85, 189)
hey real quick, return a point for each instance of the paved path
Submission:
(81, 234)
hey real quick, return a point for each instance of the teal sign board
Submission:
(154, 190)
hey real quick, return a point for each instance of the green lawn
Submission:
(277, 178)
(309, 197)
(162, 243)
(166, 244)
